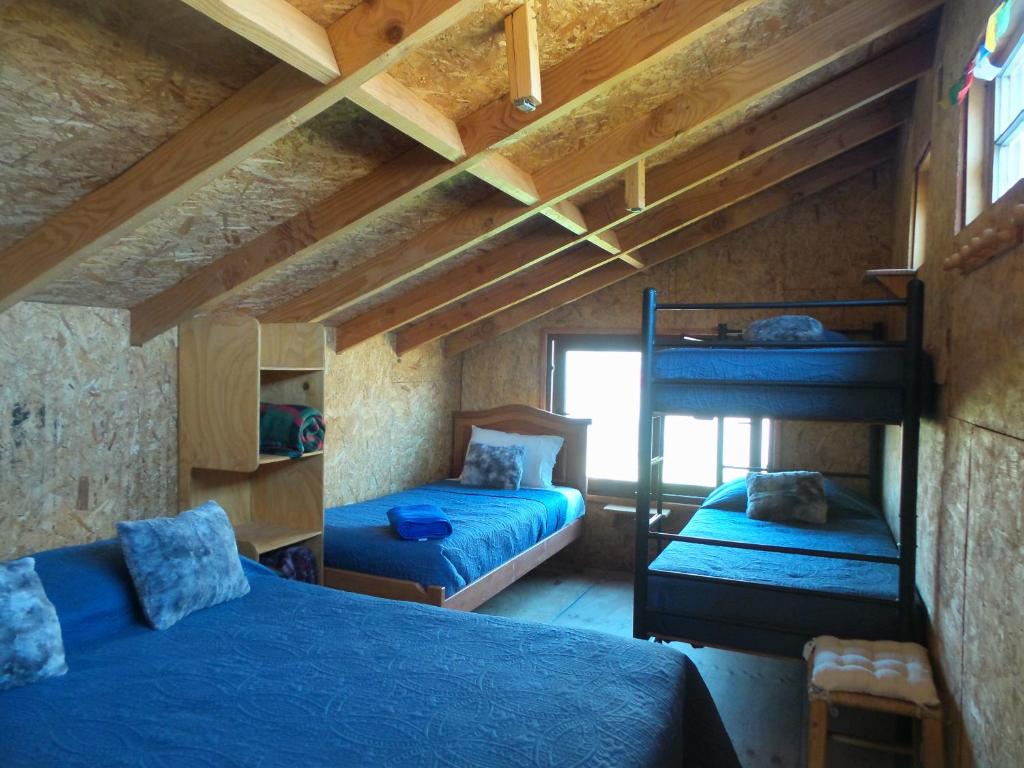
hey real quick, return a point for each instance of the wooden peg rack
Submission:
(995, 231)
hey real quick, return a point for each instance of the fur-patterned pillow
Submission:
(794, 497)
(785, 328)
(494, 466)
(182, 564)
(31, 645)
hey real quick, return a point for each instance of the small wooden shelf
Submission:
(273, 458)
(894, 280)
(257, 538)
(288, 369)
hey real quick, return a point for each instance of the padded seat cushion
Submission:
(877, 668)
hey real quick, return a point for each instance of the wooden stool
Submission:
(880, 676)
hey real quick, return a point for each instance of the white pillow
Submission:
(541, 453)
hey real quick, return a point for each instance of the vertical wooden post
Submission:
(636, 187)
(523, 57)
(817, 733)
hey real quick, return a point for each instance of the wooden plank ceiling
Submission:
(363, 164)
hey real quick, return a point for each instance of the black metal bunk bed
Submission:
(759, 593)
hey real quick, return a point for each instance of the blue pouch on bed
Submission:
(414, 522)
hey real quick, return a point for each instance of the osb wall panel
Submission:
(87, 87)
(819, 247)
(969, 524)
(87, 426)
(389, 419)
(994, 611)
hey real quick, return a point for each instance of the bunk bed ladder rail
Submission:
(911, 432)
(648, 469)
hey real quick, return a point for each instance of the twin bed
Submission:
(498, 535)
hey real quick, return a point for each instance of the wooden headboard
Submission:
(571, 467)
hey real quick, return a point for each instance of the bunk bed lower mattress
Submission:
(490, 527)
(845, 383)
(294, 673)
(775, 601)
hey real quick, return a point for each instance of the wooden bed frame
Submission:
(570, 470)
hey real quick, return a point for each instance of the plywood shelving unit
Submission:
(227, 366)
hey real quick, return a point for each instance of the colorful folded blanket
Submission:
(295, 563)
(291, 430)
(416, 522)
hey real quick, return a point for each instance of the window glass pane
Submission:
(736, 449)
(766, 442)
(1007, 163)
(691, 451)
(605, 387)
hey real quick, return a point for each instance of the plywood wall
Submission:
(818, 248)
(88, 424)
(971, 518)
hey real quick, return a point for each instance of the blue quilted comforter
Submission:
(293, 674)
(490, 527)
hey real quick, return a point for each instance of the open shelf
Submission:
(273, 458)
(263, 537)
(288, 369)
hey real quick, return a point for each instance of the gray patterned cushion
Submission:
(797, 497)
(785, 328)
(31, 646)
(182, 564)
(494, 466)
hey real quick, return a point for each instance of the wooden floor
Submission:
(762, 700)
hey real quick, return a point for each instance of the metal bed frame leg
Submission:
(644, 465)
(911, 440)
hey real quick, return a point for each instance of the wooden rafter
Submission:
(685, 210)
(823, 105)
(705, 231)
(851, 26)
(254, 117)
(648, 38)
(396, 105)
(279, 28)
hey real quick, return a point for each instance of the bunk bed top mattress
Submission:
(857, 383)
(490, 527)
(323, 677)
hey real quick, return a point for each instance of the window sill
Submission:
(998, 229)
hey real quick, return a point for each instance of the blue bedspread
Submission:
(686, 605)
(293, 674)
(489, 528)
(875, 376)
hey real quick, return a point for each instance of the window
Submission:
(598, 377)
(1008, 124)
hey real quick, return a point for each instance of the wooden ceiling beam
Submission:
(253, 118)
(502, 174)
(551, 273)
(685, 210)
(646, 39)
(790, 159)
(279, 28)
(851, 26)
(822, 106)
(452, 286)
(390, 101)
(705, 231)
